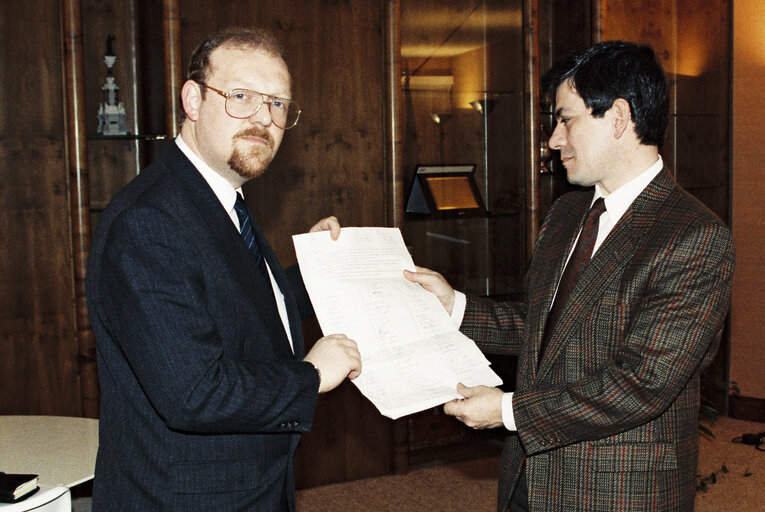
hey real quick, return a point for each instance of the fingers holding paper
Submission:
(335, 357)
(480, 408)
(330, 224)
(435, 284)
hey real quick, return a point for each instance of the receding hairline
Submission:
(240, 45)
(231, 45)
(250, 47)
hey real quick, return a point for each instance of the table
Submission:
(47, 499)
(61, 450)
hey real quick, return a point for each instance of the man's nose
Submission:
(262, 115)
(558, 137)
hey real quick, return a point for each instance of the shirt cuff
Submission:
(458, 311)
(508, 418)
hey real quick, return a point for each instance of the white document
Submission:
(412, 354)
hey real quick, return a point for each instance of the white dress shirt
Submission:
(226, 194)
(616, 204)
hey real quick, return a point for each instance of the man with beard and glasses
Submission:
(205, 384)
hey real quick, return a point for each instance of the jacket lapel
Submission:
(239, 259)
(553, 251)
(614, 254)
(282, 281)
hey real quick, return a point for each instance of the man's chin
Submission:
(572, 177)
(248, 168)
(249, 172)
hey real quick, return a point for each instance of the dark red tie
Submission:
(576, 265)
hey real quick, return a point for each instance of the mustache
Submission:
(256, 132)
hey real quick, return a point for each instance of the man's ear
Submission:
(191, 99)
(622, 117)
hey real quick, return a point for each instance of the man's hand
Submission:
(336, 357)
(481, 407)
(435, 284)
(330, 224)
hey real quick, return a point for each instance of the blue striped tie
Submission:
(245, 228)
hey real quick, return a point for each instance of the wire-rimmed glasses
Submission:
(243, 103)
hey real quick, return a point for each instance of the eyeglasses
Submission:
(243, 103)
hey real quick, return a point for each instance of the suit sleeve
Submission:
(672, 322)
(496, 327)
(156, 298)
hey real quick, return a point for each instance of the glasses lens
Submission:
(242, 103)
(292, 115)
(284, 113)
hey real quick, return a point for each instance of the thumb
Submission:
(465, 391)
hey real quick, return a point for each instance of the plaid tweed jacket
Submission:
(608, 419)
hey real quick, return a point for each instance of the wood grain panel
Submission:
(38, 369)
(747, 328)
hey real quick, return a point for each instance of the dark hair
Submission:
(618, 69)
(232, 37)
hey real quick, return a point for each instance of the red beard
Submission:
(254, 162)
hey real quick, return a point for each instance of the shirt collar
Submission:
(223, 190)
(620, 199)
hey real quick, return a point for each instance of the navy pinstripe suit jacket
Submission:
(202, 399)
(607, 419)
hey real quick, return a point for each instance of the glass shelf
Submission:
(129, 136)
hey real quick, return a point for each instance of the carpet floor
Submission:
(471, 486)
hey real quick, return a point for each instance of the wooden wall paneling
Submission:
(171, 24)
(564, 27)
(597, 19)
(332, 163)
(703, 136)
(531, 52)
(703, 110)
(157, 58)
(394, 174)
(394, 134)
(748, 211)
(38, 367)
(654, 24)
(79, 197)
